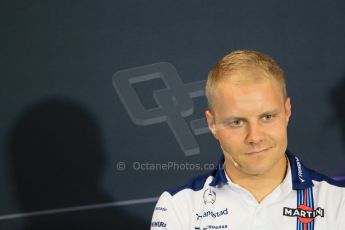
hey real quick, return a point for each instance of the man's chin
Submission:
(255, 171)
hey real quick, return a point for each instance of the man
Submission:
(258, 183)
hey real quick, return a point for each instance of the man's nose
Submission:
(254, 134)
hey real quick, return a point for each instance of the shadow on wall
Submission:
(57, 162)
(338, 102)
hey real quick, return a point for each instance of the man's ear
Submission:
(287, 109)
(211, 123)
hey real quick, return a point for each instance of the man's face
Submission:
(249, 118)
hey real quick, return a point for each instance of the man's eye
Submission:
(268, 117)
(235, 123)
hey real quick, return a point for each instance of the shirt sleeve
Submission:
(167, 215)
(342, 215)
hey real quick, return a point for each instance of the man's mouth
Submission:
(254, 152)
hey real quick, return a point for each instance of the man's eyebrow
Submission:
(273, 111)
(229, 118)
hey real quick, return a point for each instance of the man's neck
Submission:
(259, 185)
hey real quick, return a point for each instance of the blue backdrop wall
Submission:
(102, 101)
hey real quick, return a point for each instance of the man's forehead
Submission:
(246, 76)
(247, 94)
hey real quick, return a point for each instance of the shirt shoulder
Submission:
(175, 206)
(315, 176)
(194, 185)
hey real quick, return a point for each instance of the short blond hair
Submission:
(243, 60)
